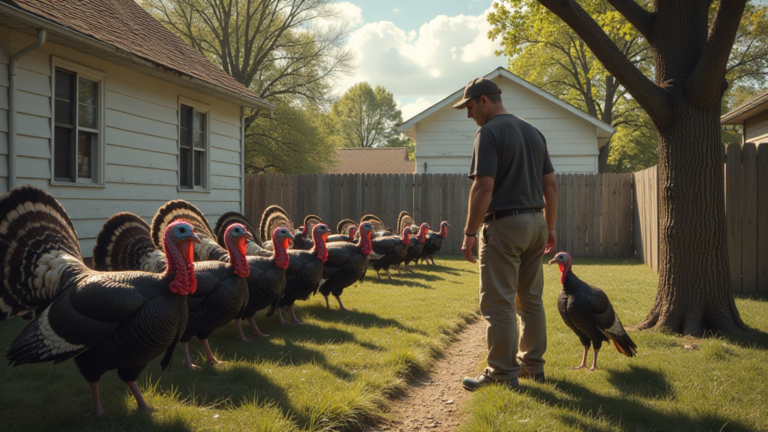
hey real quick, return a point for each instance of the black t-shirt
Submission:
(514, 153)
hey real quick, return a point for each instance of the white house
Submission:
(444, 135)
(752, 116)
(109, 111)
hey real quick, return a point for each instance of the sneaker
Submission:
(539, 377)
(472, 384)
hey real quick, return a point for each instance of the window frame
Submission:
(206, 175)
(99, 164)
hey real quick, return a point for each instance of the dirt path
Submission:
(434, 401)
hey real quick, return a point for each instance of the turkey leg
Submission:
(280, 315)
(190, 365)
(388, 274)
(137, 394)
(398, 269)
(327, 305)
(293, 315)
(209, 354)
(98, 411)
(341, 305)
(378, 277)
(594, 362)
(238, 323)
(583, 360)
(256, 331)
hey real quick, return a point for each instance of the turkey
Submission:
(379, 228)
(302, 242)
(404, 220)
(267, 280)
(221, 287)
(589, 313)
(415, 251)
(254, 243)
(389, 251)
(346, 264)
(208, 249)
(274, 216)
(303, 274)
(104, 321)
(347, 226)
(433, 243)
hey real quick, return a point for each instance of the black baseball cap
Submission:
(477, 87)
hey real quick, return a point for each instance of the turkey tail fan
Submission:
(309, 222)
(230, 218)
(125, 243)
(404, 220)
(39, 251)
(343, 226)
(378, 224)
(207, 249)
(621, 340)
(274, 216)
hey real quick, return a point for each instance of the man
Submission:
(512, 208)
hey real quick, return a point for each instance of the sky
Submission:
(419, 50)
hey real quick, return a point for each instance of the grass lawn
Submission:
(714, 384)
(334, 373)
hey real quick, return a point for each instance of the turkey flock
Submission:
(153, 287)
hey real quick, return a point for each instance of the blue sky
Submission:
(420, 50)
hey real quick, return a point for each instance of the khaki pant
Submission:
(511, 280)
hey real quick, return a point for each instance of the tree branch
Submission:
(651, 97)
(705, 85)
(635, 14)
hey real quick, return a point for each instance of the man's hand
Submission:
(551, 242)
(466, 247)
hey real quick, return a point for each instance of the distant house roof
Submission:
(390, 160)
(604, 130)
(122, 32)
(746, 110)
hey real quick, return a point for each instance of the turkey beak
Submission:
(194, 238)
(552, 261)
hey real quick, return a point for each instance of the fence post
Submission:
(733, 201)
(749, 219)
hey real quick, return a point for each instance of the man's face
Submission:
(476, 110)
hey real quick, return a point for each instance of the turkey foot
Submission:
(209, 358)
(378, 277)
(190, 365)
(594, 362)
(398, 269)
(388, 274)
(583, 360)
(240, 330)
(293, 316)
(142, 406)
(98, 411)
(341, 305)
(256, 331)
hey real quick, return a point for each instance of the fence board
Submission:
(576, 216)
(762, 218)
(605, 216)
(569, 215)
(749, 219)
(627, 238)
(733, 212)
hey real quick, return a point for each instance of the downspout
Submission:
(242, 160)
(12, 70)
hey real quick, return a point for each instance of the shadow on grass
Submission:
(754, 338)
(359, 319)
(626, 412)
(642, 382)
(398, 280)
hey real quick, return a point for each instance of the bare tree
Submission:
(690, 59)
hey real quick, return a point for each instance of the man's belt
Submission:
(492, 216)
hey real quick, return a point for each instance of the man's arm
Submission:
(479, 200)
(549, 184)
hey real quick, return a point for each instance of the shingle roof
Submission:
(373, 161)
(126, 26)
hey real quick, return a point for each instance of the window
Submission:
(77, 125)
(193, 148)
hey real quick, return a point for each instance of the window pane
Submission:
(85, 144)
(198, 168)
(199, 129)
(186, 114)
(87, 115)
(65, 92)
(200, 140)
(185, 168)
(62, 154)
(88, 92)
(184, 139)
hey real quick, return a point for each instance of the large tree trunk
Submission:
(602, 158)
(694, 293)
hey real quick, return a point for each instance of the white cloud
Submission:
(445, 54)
(345, 13)
(411, 109)
(396, 10)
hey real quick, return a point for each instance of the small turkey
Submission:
(303, 275)
(125, 242)
(414, 252)
(433, 243)
(346, 229)
(588, 312)
(346, 264)
(389, 251)
(304, 233)
(104, 321)
(254, 243)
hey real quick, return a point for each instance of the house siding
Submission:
(444, 138)
(756, 128)
(141, 140)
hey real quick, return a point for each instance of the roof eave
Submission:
(745, 111)
(163, 72)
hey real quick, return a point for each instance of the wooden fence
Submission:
(746, 211)
(594, 215)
